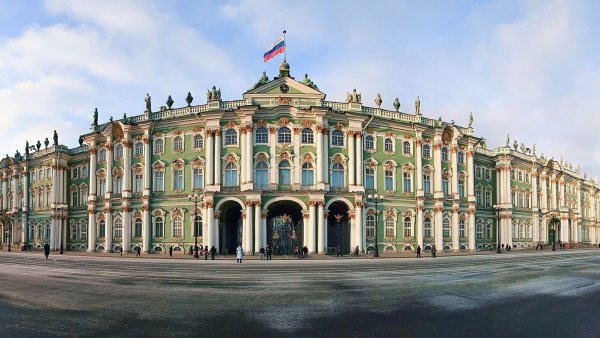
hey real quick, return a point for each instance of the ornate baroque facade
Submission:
(284, 167)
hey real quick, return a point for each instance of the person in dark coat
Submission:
(46, 250)
(418, 251)
(433, 251)
(269, 252)
(171, 251)
(213, 251)
(138, 252)
(305, 251)
(339, 251)
(121, 250)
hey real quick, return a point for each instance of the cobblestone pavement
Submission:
(518, 294)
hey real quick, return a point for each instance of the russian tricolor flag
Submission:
(276, 48)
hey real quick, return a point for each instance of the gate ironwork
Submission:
(283, 234)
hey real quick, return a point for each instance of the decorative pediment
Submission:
(158, 165)
(177, 212)
(284, 121)
(177, 164)
(261, 157)
(285, 87)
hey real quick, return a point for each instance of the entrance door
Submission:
(283, 234)
(551, 235)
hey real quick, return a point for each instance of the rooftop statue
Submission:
(95, 117)
(534, 149)
(353, 97)
(55, 138)
(417, 105)
(309, 82)
(27, 147)
(189, 98)
(46, 142)
(522, 147)
(38, 145)
(80, 141)
(396, 104)
(470, 120)
(378, 100)
(515, 144)
(263, 80)
(213, 94)
(169, 102)
(148, 101)
(507, 139)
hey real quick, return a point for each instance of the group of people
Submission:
(265, 253)
(433, 251)
(301, 252)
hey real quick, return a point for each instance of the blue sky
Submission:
(530, 68)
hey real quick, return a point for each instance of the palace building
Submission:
(284, 167)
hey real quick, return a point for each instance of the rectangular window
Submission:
(74, 173)
(461, 187)
(74, 198)
(488, 174)
(197, 179)
(159, 181)
(370, 179)
(102, 186)
(427, 184)
(84, 195)
(139, 183)
(445, 186)
(488, 198)
(477, 172)
(407, 182)
(177, 179)
(389, 180)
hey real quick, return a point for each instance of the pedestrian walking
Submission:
(418, 251)
(121, 251)
(339, 251)
(205, 252)
(138, 251)
(262, 253)
(305, 251)
(433, 251)
(269, 251)
(239, 253)
(213, 251)
(191, 251)
(171, 251)
(46, 250)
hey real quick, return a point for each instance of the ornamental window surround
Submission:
(261, 175)
(337, 138)
(479, 229)
(488, 229)
(118, 152)
(462, 230)
(389, 179)
(407, 182)
(307, 136)
(118, 228)
(477, 172)
(370, 226)
(285, 173)
(488, 174)
(159, 146)
(388, 145)
(138, 149)
(231, 137)
(406, 148)
(370, 177)
(82, 229)
(177, 144)
(427, 227)
(197, 178)
(461, 185)
(198, 142)
(261, 135)
(445, 156)
(390, 227)
(445, 185)
(102, 155)
(177, 227)
(461, 157)
(159, 227)
(407, 227)
(427, 183)
(83, 194)
(426, 151)
(73, 229)
(231, 175)
(488, 196)
(284, 135)
(74, 173)
(137, 227)
(84, 171)
(74, 197)
(446, 227)
(308, 174)
(337, 176)
(369, 142)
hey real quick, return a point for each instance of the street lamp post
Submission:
(62, 208)
(195, 198)
(8, 239)
(497, 209)
(376, 198)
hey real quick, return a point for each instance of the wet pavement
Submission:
(518, 294)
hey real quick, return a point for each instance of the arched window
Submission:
(261, 135)
(284, 173)
(74, 198)
(446, 227)
(84, 171)
(261, 179)
(488, 197)
(231, 137)
(102, 229)
(307, 136)
(478, 196)
(370, 226)
(284, 135)
(488, 230)
(427, 227)
(82, 230)
(427, 183)
(73, 230)
(177, 144)
(515, 231)
(102, 155)
(118, 228)
(308, 174)
(426, 151)
(159, 146)
(231, 175)
(407, 227)
(369, 142)
(445, 154)
(197, 230)
(461, 157)
(159, 227)
(198, 141)
(390, 227)
(406, 148)
(137, 228)
(369, 178)
(388, 145)
(177, 227)
(119, 152)
(528, 227)
(139, 149)
(337, 138)
(462, 233)
(479, 230)
(337, 176)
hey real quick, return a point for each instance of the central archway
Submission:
(553, 230)
(285, 227)
(338, 228)
(230, 227)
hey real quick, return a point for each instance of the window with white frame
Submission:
(369, 178)
(445, 189)
(407, 227)
(488, 197)
(307, 136)
(462, 231)
(369, 142)
(231, 175)
(479, 229)
(159, 180)
(477, 172)
(337, 138)
(138, 183)
(261, 178)
(118, 185)
(159, 227)
(197, 228)
(101, 186)
(488, 174)
(389, 179)
(231, 137)
(461, 186)
(138, 149)
(337, 176)
(478, 195)
(388, 145)
(102, 155)
(118, 228)
(285, 173)
(118, 152)
(390, 227)
(74, 173)
(407, 181)
(177, 227)
(84, 171)
(159, 146)
(308, 174)
(137, 227)
(84, 194)
(284, 135)
(427, 227)
(488, 229)
(74, 198)
(406, 150)
(82, 230)
(197, 179)
(178, 179)
(73, 229)
(446, 227)
(427, 183)
(370, 226)
(461, 157)
(198, 141)
(177, 144)
(527, 199)
(445, 156)
(261, 135)
(426, 151)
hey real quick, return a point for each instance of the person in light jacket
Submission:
(239, 253)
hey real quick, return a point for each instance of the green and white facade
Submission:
(283, 166)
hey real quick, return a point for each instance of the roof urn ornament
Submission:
(55, 138)
(378, 101)
(148, 101)
(189, 98)
(417, 105)
(396, 104)
(515, 144)
(26, 147)
(213, 94)
(353, 97)
(533, 150)
(470, 120)
(522, 147)
(169, 102)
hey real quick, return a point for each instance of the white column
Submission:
(455, 234)
(5, 193)
(553, 182)
(147, 166)
(244, 158)
(419, 165)
(257, 227)
(471, 175)
(359, 159)
(217, 172)
(326, 158)
(92, 174)
(91, 231)
(108, 223)
(351, 158)
(263, 226)
(437, 166)
(248, 246)
(215, 233)
(311, 224)
(319, 155)
(544, 198)
(146, 229)
(209, 157)
(297, 159)
(562, 201)
(127, 168)
(439, 236)
(471, 227)
(210, 220)
(359, 225)
(250, 152)
(109, 176)
(454, 165)
(322, 230)
(544, 230)
(126, 237)
(419, 226)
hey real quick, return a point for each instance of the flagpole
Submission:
(284, 47)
